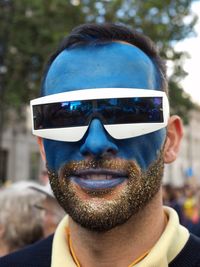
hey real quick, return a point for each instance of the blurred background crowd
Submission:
(186, 201)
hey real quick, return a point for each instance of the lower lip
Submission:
(97, 184)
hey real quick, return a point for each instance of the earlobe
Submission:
(173, 139)
(41, 147)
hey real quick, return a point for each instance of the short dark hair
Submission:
(97, 34)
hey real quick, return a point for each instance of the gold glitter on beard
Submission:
(141, 187)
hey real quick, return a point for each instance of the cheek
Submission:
(144, 149)
(59, 153)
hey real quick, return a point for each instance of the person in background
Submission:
(21, 223)
(173, 197)
(190, 205)
(51, 210)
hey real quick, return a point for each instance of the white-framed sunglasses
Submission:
(124, 112)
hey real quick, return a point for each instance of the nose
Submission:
(97, 142)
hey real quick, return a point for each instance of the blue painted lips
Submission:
(98, 179)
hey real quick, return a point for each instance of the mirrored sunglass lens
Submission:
(58, 115)
(135, 110)
(112, 111)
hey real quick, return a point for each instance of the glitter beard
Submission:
(140, 188)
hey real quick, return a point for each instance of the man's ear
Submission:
(173, 139)
(41, 147)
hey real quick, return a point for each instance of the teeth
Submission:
(98, 177)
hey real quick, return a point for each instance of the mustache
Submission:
(102, 165)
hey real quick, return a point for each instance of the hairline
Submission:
(148, 48)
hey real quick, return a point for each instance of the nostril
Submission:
(111, 151)
(85, 153)
(106, 148)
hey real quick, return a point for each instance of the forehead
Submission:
(100, 66)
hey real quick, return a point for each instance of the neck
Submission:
(123, 244)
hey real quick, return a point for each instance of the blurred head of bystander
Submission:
(51, 210)
(20, 221)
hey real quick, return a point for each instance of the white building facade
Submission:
(19, 152)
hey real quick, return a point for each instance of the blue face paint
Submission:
(110, 65)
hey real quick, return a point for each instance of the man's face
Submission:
(101, 181)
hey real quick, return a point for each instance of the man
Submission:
(104, 131)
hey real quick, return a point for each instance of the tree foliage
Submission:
(30, 30)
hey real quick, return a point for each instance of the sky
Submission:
(191, 83)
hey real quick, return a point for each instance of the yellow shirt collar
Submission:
(163, 252)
